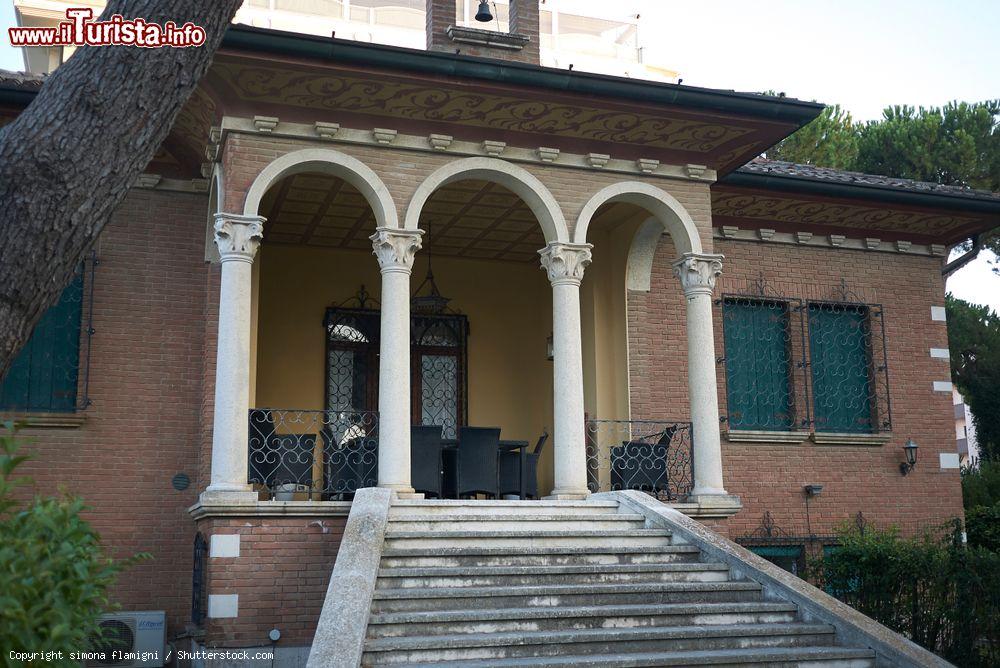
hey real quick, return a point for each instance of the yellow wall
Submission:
(509, 307)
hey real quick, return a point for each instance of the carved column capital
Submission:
(395, 248)
(697, 272)
(565, 262)
(238, 237)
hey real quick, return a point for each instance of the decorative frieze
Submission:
(565, 262)
(395, 248)
(809, 239)
(384, 135)
(440, 142)
(238, 237)
(265, 123)
(698, 272)
(326, 130)
(494, 148)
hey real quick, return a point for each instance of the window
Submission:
(789, 557)
(44, 376)
(758, 364)
(842, 370)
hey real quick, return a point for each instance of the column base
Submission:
(402, 491)
(710, 506)
(567, 495)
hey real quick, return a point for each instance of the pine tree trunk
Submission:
(68, 160)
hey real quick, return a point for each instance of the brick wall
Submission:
(146, 376)
(281, 576)
(523, 20)
(770, 477)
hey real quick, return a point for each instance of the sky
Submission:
(862, 54)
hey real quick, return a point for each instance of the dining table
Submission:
(506, 445)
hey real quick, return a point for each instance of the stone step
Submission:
(538, 556)
(771, 657)
(526, 538)
(449, 507)
(517, 576)
(504, 522)
(473, 646)
(455, 598)
(511, 620)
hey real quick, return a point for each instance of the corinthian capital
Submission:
(238, 237)
(565, 262)
(395, 248)
(697, 272)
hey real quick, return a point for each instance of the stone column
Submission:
(237, 238)
(395, 249)
(565, 264)
(697, 273)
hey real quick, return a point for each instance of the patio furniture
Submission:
(519, 470)
(641, 464)
(474, 464)
(426, 467)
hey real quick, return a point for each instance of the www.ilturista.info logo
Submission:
(80, 29)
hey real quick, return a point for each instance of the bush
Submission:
(941, 594)
(54, 575)
(981, 485)
(982, 525)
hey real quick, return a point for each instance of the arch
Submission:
(670, 213)
(516, 179)
(326, 161)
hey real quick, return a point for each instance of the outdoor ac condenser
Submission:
(132, 639)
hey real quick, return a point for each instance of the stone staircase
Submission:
(566, 583)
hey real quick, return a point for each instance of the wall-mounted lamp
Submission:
(813, 490)
(484, 15)
(910, 449)
(549, 349)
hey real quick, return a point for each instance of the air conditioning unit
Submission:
(130, 639)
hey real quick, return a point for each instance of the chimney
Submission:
(520, 44)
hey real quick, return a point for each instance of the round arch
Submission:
(516, 179)
(664, 207)
(326, 161)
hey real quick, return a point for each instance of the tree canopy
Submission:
(974, 340)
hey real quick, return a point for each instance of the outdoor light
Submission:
(911, 457)
(813, 490)
(484, 15)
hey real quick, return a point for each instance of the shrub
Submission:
(981, 485)
(54, 575)
(941, 594)
(982, 525)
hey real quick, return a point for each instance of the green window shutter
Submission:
(43, 377)
(788, 557)
(841, 368)
(758, 366)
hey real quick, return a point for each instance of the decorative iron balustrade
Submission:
(315, 455)
(648, 455)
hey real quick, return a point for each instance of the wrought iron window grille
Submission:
(768, 535)
(198, 589)
(773, 372)
(652, 456)
(52, 372)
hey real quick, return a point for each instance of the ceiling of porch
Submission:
(473, 219)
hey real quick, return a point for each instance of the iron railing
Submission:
(653, 456)
(312, 455)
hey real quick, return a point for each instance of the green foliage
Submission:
(830, 140)
(974, 341)
(941, 594)
(982, 527)
(54, 575)
(981, 485)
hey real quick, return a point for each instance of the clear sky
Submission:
(862, 54)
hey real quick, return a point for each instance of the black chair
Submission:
(642, 465)
(426, 468)
(510, 470)
(476, 461)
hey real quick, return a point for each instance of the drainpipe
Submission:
(966, 258)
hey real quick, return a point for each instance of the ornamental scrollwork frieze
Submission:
(565, 262)
(238, 237)
(395, 248)
(698, 272)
